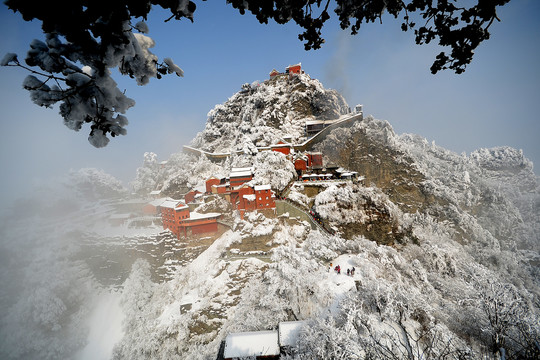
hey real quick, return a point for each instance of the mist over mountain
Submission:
(444, 246)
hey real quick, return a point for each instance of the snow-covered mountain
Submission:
(445, 248)
(263, 113)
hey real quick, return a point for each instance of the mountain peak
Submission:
(263, 113)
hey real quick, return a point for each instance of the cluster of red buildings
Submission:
(303, 161)
(176, 215)
(178, 218)
(242, 196)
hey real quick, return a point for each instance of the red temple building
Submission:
(294, 69)
(265, 198)
(172, 213)
(282, 147)
(274, 73)
(152, 208)
(244, 198)
(213, 181)
(247, 198)
(239, 176)
(199, 224)
(176, 217)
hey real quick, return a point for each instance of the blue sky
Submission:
(492, 104)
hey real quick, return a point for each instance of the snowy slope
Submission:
(463, 230)
(443, 244)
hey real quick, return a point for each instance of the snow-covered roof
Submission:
(290, 66)
(199, 216)
(181, 206)
(240, 169)
(249, 197)
(174, 204)
(163, 162)
(262, 187)
(155, 192)
(241, 186)
(241, 174)
(260, 343)
(289, 331)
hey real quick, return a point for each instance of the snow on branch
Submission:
(72, 67)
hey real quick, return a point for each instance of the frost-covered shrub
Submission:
(354, 204)
(273, 168)
(147, 175)
(289, 289)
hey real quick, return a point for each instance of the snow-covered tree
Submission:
(509, 321)
(147, 175)
(84, 41)
(273, 168)
(137, 306)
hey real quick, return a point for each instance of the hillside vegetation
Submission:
(445, 248)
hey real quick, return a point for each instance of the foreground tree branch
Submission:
(85, 39)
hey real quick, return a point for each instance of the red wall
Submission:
(243, 203)
(315, 159)
(300, 164)
(295, 69)
(283, 150)
(209, 183)
(262, 201)
(204, 228)
(171, 218)
(239, 180)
